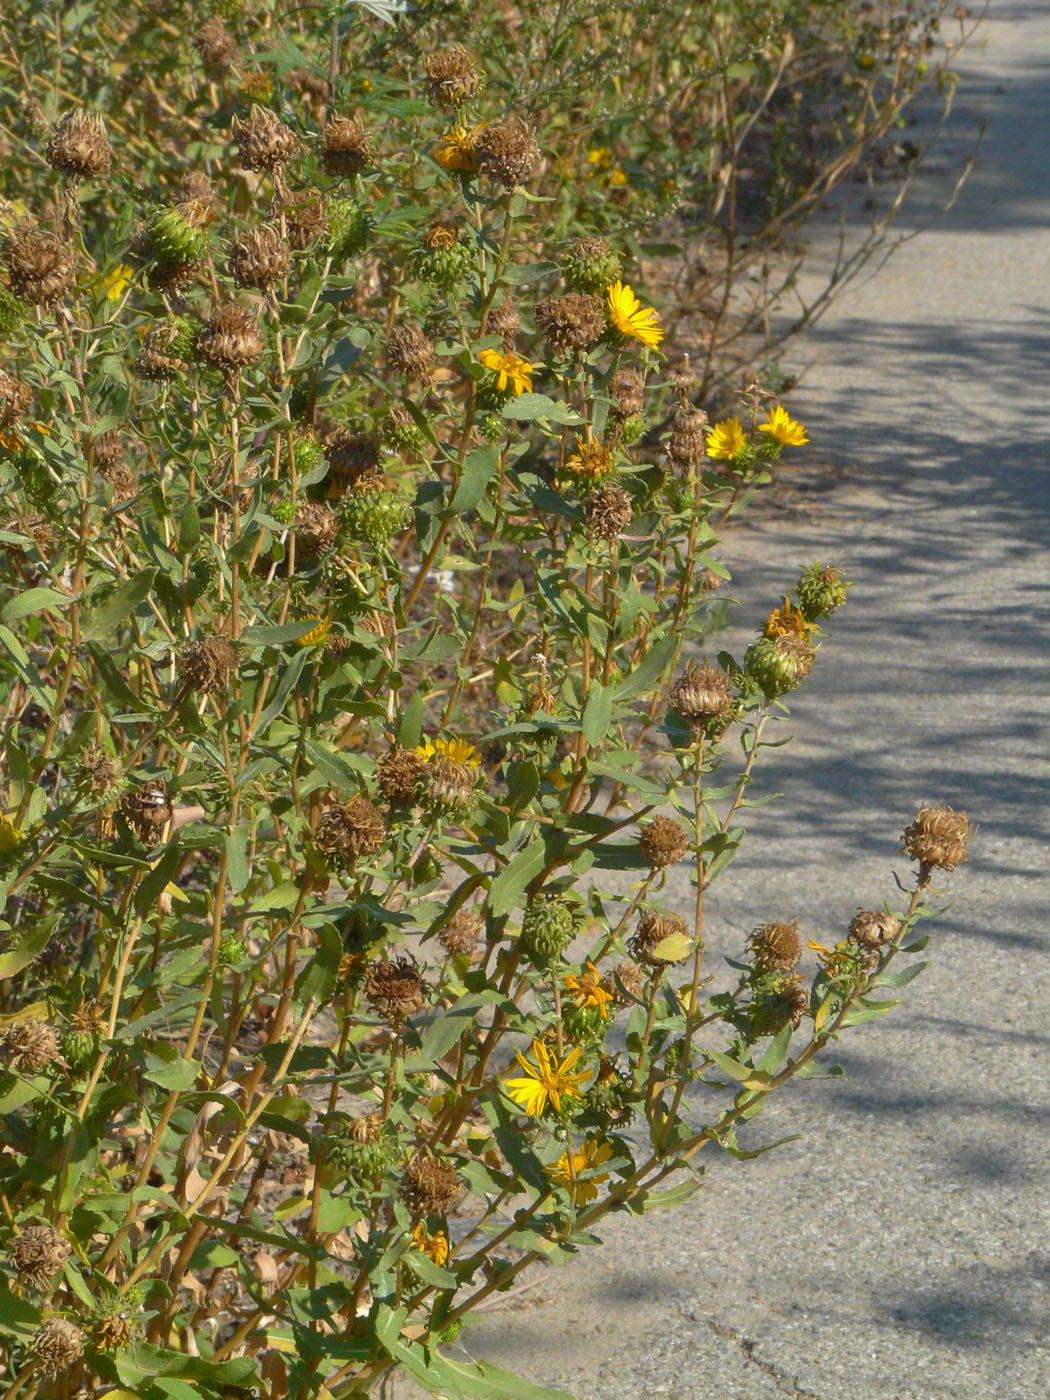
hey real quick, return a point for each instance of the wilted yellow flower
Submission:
(434, 1246)
(510, 368)
(315, 634)
(566, 1170)
(725, 439)
(457, 750)
(784, 429)
(787, 621)
(455, 150)
(631, 318)
(547, 1081)
(591, 460)
(587, 989)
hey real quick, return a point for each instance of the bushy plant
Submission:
(355, 716)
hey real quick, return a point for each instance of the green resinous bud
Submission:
(591, 265)
(546, 930)
(173, 239)
(350, 227)
(375, 516)
(821, 590)
(774, 669)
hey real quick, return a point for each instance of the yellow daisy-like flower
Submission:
(566, 1171)
(548, 1081)
(587, 989)
(618, 176)
(726, 439)
(316, 634)
(787, 621)
(511, 369)
(591, 459)
(784, 429)
(434, 1246)
(116, 282)
(458, 750)
(631, 318)
(600, 156)
(455, 150)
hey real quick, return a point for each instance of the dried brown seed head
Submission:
(107, 450)
(506, 151)
(663, 842)
(207, 666)
(776, 947)
(113, 1332)
(216, 45)
(265, 143)
(409, 352)
(316, 528)
(56, 1345)
(259, 258)
(41, 269)
(686, 447)
(229, 338)
(147, 810)
(571, 322)
(395, 989)
(354, 829)
(702, 692)
(15, 398)
(461, 933)
(78, 146)
(100, 774)
(398, 772)
(937, 839)
(453, 77)
(430, 1186)
(625, 393)
(871, 928)
(346, 147)
(504, 320)
(653, 929)
(608, 511)
(38, 1253)
(352, 453)
(30, 1045)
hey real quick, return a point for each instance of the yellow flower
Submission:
(510, 368)
(116, 282)
(587, 989)
(784, 429)
(600, 156)
(834, 959)
(455, 150)
(316, 634)
(10, 837)
(458, 750)
(434, 1246)
(725, 439)
(566, 1170)
(631, 318)
(546, 1083)
(618, 176)
(12, 441)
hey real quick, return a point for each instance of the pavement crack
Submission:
(747, 1346)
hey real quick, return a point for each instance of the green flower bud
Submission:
(173, 239)
(778, 665)
(591, 265)
(547, 930)
(350, 227)
(79, 1048)
(231, 949)
(820, 590)
(632, 429)
(493, 427)
(283, 511)
(375, 516)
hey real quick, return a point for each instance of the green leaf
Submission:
(277, 635)
(100, 622)
(509, 885)
(597, 713)
(165, 1067)
(645, 676)
(25, 950)
(642, 1201)
(410, 730)
(34, 600)
(317, 980)
(479, 467)
(145, 1362)
(236, 843)
(901, 978)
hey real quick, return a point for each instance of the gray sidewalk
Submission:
(901, 1250)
